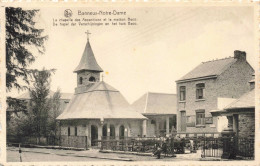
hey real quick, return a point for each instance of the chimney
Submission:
(240, 55)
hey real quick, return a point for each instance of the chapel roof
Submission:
(100, 101)
(88, 60)
(156, 103)
(209, 69)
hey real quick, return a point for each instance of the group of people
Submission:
(167, 146)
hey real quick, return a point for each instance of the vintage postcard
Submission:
(129, 84)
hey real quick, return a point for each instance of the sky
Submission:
(167, 43)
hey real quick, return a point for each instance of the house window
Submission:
(200, 117)
(80, 80)
(182, 93)
(200, 91)
(76, 131)
(68, 131)
(153, 122)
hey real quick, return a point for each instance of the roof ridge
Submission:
(146, 102)
(214, 60)
(208, 69)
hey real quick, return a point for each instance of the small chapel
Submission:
(97, 110)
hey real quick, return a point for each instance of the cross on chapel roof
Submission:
(88, 60)
(88, 33)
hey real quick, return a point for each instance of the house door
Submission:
(183, 120)
(94, 135)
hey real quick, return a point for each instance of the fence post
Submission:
(59, 133)
(20, 153)
(86, 142)
(204, 146)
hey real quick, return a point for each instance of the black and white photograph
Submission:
(127, 84)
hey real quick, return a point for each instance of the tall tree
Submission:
(22, 37)
(34, 120)
(54, 112)
(39, 105)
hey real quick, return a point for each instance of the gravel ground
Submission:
(41, 155)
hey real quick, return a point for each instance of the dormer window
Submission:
(80, 80)
(92, 79)
(200, 91)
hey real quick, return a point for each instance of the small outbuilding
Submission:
(241, 115)
(161, 111)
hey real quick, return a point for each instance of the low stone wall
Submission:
(74, 141)
(246, 125)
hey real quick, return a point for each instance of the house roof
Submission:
(156, 103)
(100, 101)
(245, 101)
(65, 96)
(208, 69)
(88, 60)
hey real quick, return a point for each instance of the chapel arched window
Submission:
(92, 79)
(80, 80)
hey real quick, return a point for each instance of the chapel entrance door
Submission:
(104, 131)
(94, 135)
(112, 132)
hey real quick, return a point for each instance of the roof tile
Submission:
(210, 68)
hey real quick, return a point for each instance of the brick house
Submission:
(199, 90)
